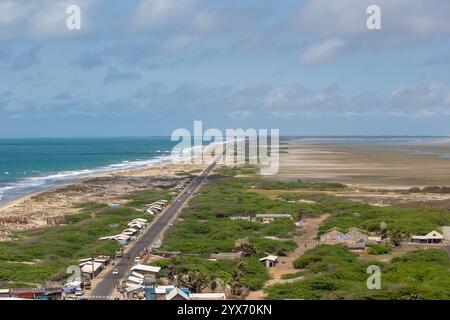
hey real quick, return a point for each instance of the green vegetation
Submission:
(238, 170)
(254, 273)
(42, 254)
(140, 199)
(346, 214)
(377, 249)
(333, 272)
(206, 228)
(281, 185)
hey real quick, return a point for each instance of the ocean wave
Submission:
(15, 188)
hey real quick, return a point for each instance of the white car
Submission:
(79, 292)
(115, 272)
(137, 260)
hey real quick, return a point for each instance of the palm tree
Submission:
(237, 287)
(383, 230)
(195, 281)
(248, 250)
(300, 214)
(396, 237)
(171, 273)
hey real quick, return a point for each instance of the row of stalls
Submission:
(148, 290)
(135, 280)
(135, 227)
(41, 293)
(182, 184)
(155, 208)
(141, 284)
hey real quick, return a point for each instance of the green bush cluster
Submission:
(333, 272)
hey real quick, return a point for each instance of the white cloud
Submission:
(348, 17)
(158, 13)
(322, 52)
(403, 22)
(429, 99)
(40, 19)
(178, 42)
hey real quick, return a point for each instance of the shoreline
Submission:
(57, 201)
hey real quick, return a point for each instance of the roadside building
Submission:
(134, 280)
(270, 261)
(136, 225)
(24, 293)
(374, 239)
(207, 296)
(432, 237)
(177, 294)
(355, 235)
(332, 236)
(268, 218)
(356, 245)
(5, 293)
(130, 231)
(160, 292)
(91, 269)
(146, 270)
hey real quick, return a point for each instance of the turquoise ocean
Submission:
(29, 165)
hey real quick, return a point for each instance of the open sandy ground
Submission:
(306, 241)
(366, 166)
(105, 188)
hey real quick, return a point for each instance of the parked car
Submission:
(137, 260)
(115, 272)
(79, 292)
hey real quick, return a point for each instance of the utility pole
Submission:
(92, 260)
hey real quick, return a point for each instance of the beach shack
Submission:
(136, 225)
(432, 237)
(130, 231)
(146, 270)
(356, 236)
(91, 269)
(207, 296)
(270, 261)
(177, 294)
(5, 293)
(332, 236)
(374, 239)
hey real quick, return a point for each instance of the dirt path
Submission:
(306, 241)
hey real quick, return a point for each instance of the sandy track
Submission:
(306, 241)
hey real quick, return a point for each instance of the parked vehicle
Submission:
(115, 272)
(79, 292)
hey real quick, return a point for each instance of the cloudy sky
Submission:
(147, 67)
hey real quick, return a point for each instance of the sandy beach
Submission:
(62, 200)
(366, 166)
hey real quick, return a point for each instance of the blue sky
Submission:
(147, 67)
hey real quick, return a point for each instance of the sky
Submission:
(147, 67)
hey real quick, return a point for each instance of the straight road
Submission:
(106, 286)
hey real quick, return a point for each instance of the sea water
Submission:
(29, 165)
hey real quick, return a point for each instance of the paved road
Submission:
(106, 286)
